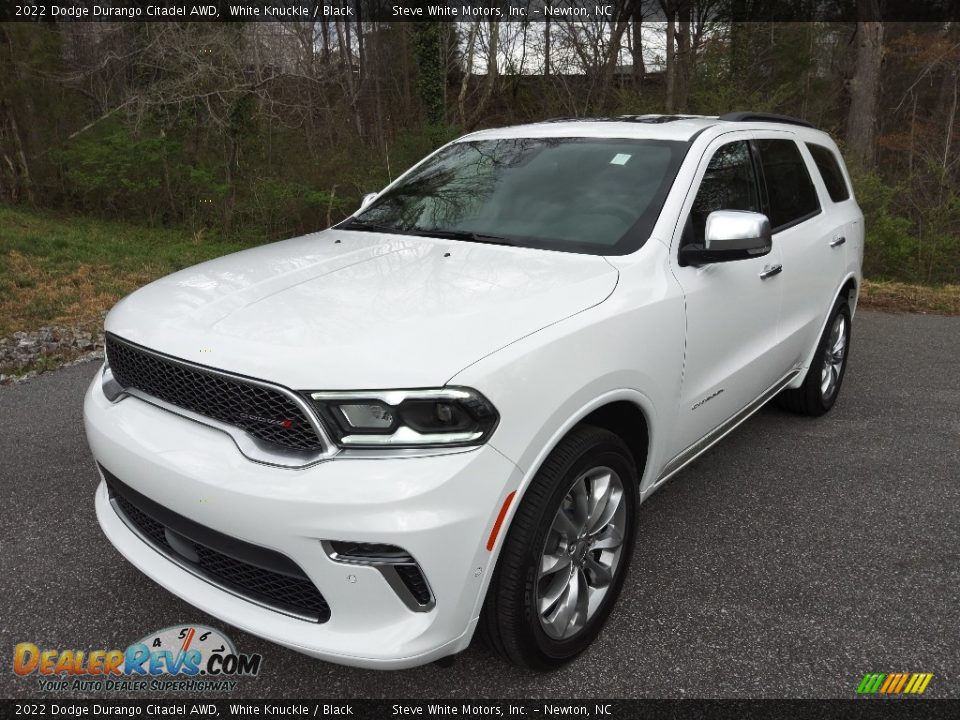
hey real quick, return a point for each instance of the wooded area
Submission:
(269, 129)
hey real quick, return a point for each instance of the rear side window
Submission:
(792, 197)
(830, 171)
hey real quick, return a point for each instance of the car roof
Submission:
(654, 127)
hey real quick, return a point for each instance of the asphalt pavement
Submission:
(788, 561)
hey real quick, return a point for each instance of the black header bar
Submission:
(467, 10)
(861, 709)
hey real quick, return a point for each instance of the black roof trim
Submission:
(764, 117)
(654, 119)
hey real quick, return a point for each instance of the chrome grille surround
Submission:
(251, 411)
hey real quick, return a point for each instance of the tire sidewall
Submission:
(840, 308)
(606, 454)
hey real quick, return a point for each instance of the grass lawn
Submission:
(65, 270)
(58, 270)
(903, 297)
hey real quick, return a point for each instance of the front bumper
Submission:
(440, 509)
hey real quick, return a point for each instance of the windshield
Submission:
(586, 195)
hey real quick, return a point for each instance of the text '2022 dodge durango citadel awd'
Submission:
(439, 416)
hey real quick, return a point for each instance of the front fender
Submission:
(547, 383)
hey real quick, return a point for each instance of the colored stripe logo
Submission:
(894, 683)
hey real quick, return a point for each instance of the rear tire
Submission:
(566, 554)
(821, 387)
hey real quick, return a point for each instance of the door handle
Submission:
(837, 242)
(770, 271)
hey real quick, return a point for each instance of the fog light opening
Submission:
(398, 567)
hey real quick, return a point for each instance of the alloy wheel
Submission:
(581, 554)
(835, 354)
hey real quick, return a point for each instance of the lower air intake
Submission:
(251, 572)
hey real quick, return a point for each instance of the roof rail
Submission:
(656, 119)
(764, 117)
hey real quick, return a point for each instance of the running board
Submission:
(687, 456)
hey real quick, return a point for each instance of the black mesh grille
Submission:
(415, 582)
(264, 413)
(282, 592)
(154, 530)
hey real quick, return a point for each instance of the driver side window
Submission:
(730, 183)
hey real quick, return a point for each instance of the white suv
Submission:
(440, 416)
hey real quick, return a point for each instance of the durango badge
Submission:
(286, 423)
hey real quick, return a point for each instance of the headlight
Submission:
(442, 417)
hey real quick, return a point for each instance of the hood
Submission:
(340, 310)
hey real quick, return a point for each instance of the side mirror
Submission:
(367, 199)
(730, 235)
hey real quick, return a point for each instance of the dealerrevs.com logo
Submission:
(894, 683)
(183, 658)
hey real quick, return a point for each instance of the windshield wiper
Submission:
(467, 235)
(372, 227)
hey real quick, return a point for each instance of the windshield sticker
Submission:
(620, 159)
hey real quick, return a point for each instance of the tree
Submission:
(865, 85)
(431, 73)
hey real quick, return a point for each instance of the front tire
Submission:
(565, 557)
(820, 388)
